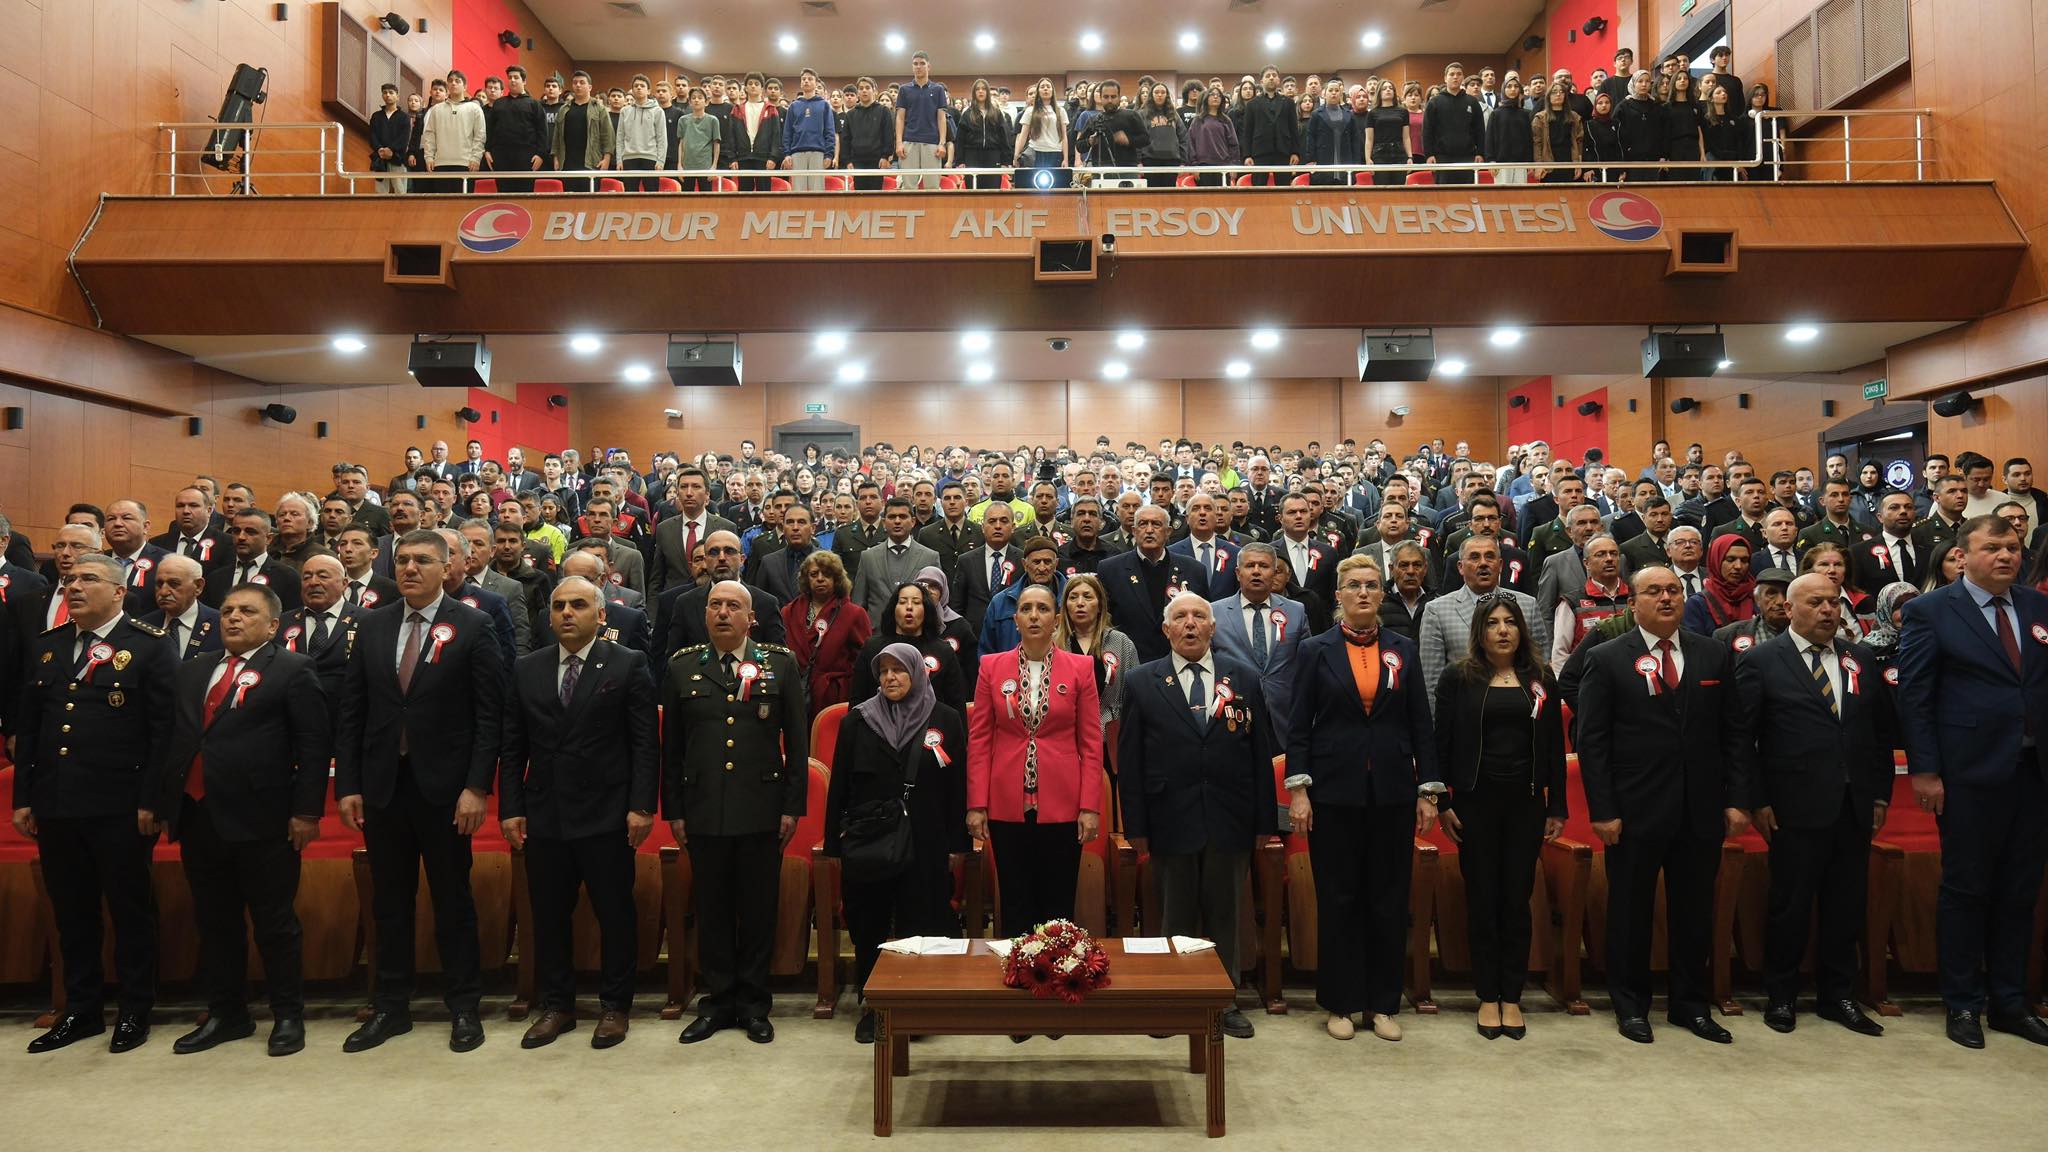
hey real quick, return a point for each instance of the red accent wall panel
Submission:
(477, 52)
(526, 422)
(1566, 17)
(1534, 421)
(1572, 434)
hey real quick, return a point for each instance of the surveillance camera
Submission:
(1059, 343)
(1109, 242)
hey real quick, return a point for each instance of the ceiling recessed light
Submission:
(585, 344)
(1276, 40)
(786, 42)
(350, 344)
(983, 41)
(1505, 337)
(692, 46)
(1130, 341)
(852, 373)
(1450, 367)
(637, 373)
(1115, 370)
(830, 343)
(1237, 369)
(1372, 38)
(1265, 339)
(1801, 333)
(894, 42)
(975, 341)
(1189, 41)
(981, 372)
(1091, 42)
(1724, 365)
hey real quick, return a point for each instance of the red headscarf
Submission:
(1726, 600)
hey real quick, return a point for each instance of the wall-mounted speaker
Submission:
(320, 429)
(1827, 407)
(1954, 404)
(1560, 401)
(1631, 404)
(283, 12)
(494, 415)
(1742, 399)
(1589, 408)
(558, 401)
(1518, 401)
(194, 425)
(279, 413)
(420, 422)
(468, 415)
(14, 419)
(1684, 404)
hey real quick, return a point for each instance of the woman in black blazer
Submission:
(913, 619)
(900, 730)
(1500, 742)
(1362, 781)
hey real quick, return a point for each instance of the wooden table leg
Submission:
(885, 1041)
(1198, 1045)
(1215, 1074)
(899, 1054)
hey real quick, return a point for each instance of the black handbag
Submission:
(875, 841)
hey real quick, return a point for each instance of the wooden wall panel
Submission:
(1269, 411)
(1124, 410)
(1781, 426)
(2009, 422)
(1468, 409)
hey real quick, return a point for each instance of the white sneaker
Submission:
(1385, 1027)
(1339, 1026)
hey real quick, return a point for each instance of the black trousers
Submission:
(700, 184)
(603, 867)
(1688, 864)
(640, 183)
(1462, 176)
(1037, 866)
(1829, 864)
(520, 163)
(86, 861)
(258, 879)
(735, 882)
(1993, 845)
(754, 183)
(578, 184)
(1268, 179)
(1363, 857)
(866, 164)
(1503, 832)
(402, 838)
(448, 186)
(917, 903)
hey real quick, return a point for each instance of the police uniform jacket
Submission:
(87, 745)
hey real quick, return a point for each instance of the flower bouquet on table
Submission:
(1058, 958)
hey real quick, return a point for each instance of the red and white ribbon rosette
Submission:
(931, 665)
(95, 656)
(1891, 677)
(1882, 555)
(442, 634)
(821, 627)
(246, 680)
(369, 597)
(5, 580)
(139, 571)
(1647, 667)
(469, 600)
(258, 578)
(205, 552)
(936, 742)
(1536, 690)
(953, 642)
(1279, 625)
(1009, 570)
(1744, 643)
(1393, 662)
(1852, 676)
(750, 674)
(1222, 559)
(1224, 695)
(1315, 559)
(1514, 571)
(2040, 633)
(291, 638)
(1108, 668)
(1010, 697)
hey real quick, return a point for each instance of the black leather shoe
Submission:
(2026, 1026)
(130, 1033)
(1705, 1028)
(1235, 1024)
(377, 1029)
(67, 1031)
(703, 1028)
(287, 1035)
(760, 1031)
(1781, 1017)
(1965, 1027)
(1849, 1015)
(216, 1030)
(1637, 1029)
(864, 1032)
(466, 1034)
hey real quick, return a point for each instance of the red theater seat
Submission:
(890, 183)
(728, 184)
(825, 732)
(547, 184)
(610, 184)
(1301, 180)
(1361, 178)
(668, 184)
(837, 183)
(484, 186)
(777, 184)
(951, 183)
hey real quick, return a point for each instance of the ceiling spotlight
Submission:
(1237, 369)
(786, 42)
(1276, 40)
(852, 373)
(1505, 337)
(1189, 41)
(1115, 370)
(983, 41)
(981, 372)
(894, 42)
(1091, 42)
(637, 373)
(585, 344)
(975, 341)
(349, 344)
(830, 343)
(1801, 333)
(692, 46)
(1265, 339)
(1724, 365)
(1130, 341)
(1372, 38)
(1450, 367)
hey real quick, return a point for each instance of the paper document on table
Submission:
(1137, 945)
(927, 946)
(1185, 944)
(1001, 947)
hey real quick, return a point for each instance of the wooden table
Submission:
(1149, 994)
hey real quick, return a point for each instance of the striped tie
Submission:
(1820, 677)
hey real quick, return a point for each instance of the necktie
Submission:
(1670, 669)
(570, 668)
(1692, 585)
(731, 668)
(416, 626)
(2006, 638)
(319, 633)
(62, 615)
(1820, 679)
(689, 539)
(1259, 652)
(241, 573)
(189, 547)
(1900, 553)
(79, 654)
(995, 570)
(355, 594)
(195, 780)
(1780, 560)
(180, 637)
(1198, 698)
(1208, 556)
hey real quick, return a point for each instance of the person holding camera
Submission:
(1116, 136)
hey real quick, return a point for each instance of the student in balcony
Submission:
(1727, 131)
(453, 140)
(984, 136)
(643, 132)
(390, 132)
(1212, 138)
(698, 135)
(516, 134)
(1682, 126)
(1639, 123)
(583, 135)
(1766, 167)
(1508, 134)
(1042, 129)
(415, 155)
(1328, 134)
(1386, 126)
(1270, 133)
(1601, 139)
(1558, 136)
(810, 135)
(1453, 128)
(1167, 143)
(753, 137)
(867, 136)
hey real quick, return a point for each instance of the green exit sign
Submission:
(819, 409)
(1875, 389)
(1686, 8)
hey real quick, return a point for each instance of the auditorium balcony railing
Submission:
(310, 159)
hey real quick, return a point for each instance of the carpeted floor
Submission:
(1573, 1084)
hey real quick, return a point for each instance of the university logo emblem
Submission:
(1625, 216)
(494, 227)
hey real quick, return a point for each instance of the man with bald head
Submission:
(583, 699)
(324, 626)
(735, 777)
(1815, 709)
(622, 623)
(192, 627)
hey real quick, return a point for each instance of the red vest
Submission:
(1592, 605)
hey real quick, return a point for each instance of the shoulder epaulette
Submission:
(774, 648)
(150, 629)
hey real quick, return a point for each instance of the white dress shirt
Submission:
(406, 612)
(1677, 651)
(562, 661)
(1830, 662)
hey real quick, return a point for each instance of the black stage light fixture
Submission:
(278, 413)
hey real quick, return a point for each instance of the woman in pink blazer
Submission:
(1034, 766)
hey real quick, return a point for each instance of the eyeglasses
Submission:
(1358, 587)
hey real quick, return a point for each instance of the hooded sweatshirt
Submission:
(643, 132)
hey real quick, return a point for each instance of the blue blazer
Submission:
(1222, 570)
(1353, 758)
(205, 636)
(1283, 648)
(1960, 702)
(1188, 782)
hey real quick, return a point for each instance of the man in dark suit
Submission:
(981, 572)
(24, 595)
(1890, 555)
(1816, 714)
(126, 531)
(1205, 544)
(1973, 691)
(242, 784)
(776, 570)
(579, 781)
(1659, 739)
(324, 628)
(951, 532)
(622, 624)
(94, 716)
(192, 628)
(685, 616)
(735, 778)
(1264, 496)
(250, 532)
(456, 583)
(1139, 583)
(1196, 758)
(1311, 561)
(413, 767)
(675, 537)
(192, 532)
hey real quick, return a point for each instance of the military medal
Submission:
(116, 698)
(936, 742)
(748, 673)
(247, 680)
(442, 634)
(122, 658)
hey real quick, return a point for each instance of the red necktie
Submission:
(63, 615)
(195, 781)
(1670, 672)
(689, 540)
(2006, 637)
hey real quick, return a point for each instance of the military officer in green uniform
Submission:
(735, 774)
(94, 718)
